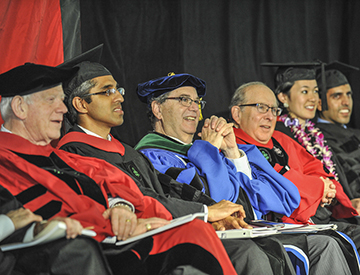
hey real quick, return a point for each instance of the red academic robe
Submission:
(23, 178)
(305, 172)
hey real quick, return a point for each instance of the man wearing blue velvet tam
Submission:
(239, 174)
(174, 109)
(93, 112)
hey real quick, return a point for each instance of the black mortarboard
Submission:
(293, 71)
(162, 85)
(334, 75)
(31, 78)
(89, 68)
(92, 55)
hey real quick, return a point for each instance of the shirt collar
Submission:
(92, 133)
(3, 129)
(178, 140)
(320, 120)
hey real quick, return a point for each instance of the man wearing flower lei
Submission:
(344, 141)
(298, 94)
(254, 110)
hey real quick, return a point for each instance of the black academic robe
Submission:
(44, 180)
(8, 203)
(338, 165)
(178, 199)
(45, 259)
(140, 169)
(345, 143)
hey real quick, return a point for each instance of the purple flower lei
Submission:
(317, 148)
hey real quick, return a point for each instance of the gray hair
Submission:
(5, 106)
(160, 99)
(80, 91)
(239, 96)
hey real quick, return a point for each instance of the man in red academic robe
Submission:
(254, 109)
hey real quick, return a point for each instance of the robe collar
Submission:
(76, 134)
(241, 135)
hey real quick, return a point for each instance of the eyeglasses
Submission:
(108, 92)
(263, 108)
(187, 101)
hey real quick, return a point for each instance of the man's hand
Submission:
(73, 227)
(22, 217)
(229, 146)
(227, 215)
(329, 191)
(230, 223)
(212, 131)
(223, 209)
(356, 204)
(220, 134)
(144, 225)
(123, 221)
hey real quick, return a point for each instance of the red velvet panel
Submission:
(30, 31)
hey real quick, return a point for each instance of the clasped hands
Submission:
(220, 133)
(227, 215)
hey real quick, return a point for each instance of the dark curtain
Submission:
(70, 17)
(220, 41)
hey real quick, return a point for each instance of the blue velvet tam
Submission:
(31, 78)
(162, 85)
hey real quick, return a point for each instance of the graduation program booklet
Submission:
(293, 228)
(52, 231)
(305, 228)
(173, 223)
(247, 233)
(263, 228)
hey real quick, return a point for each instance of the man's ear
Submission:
(156, 109)
(236, 115)
(319, 107)
(80, 105)
(19, 107)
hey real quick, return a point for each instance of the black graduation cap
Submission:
(92, 55)
(162, 85)
(31, 78)
(293, 71)
(88, 65)
(335, 75)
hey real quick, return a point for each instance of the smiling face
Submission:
(340, 104)
(176, 120)
(302, 99)
(103, 112)
(259, 126)
(44, 116)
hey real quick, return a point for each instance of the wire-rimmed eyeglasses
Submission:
(263, 108)
(187, 101)
(108, 92)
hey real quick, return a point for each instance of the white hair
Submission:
(5, 106)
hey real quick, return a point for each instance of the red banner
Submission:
(30, 31)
